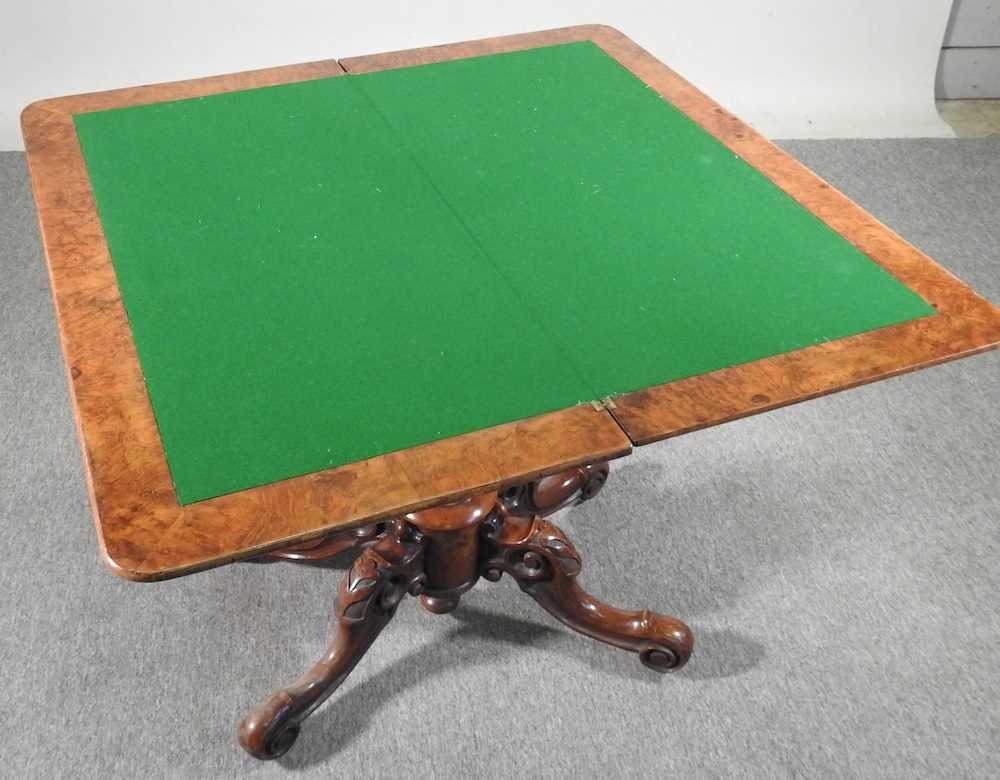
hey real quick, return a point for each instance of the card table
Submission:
(413, 303)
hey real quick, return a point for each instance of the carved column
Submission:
(451, 554)
(439, 554)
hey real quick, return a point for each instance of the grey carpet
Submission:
(837, 560)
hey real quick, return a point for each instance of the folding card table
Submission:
(414, 303)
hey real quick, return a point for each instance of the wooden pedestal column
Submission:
(438, 554)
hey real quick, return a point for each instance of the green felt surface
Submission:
(321, 272)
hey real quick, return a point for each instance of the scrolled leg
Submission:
(366, 601)
(545, 565)
(440, 552)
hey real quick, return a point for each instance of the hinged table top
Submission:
(305, 298)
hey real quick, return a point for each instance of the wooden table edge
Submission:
(145, 94)
(652, 414)
(399, 558)
(732, 393)
(535, 439)
(143, 533)
(135, 537)
(915, 269)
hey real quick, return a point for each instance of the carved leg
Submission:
(366, 602)
(545, 564)
(438, 554)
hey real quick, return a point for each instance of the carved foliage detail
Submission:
(517, 539)
(360, 587)
(563, 553)
(539, 555)
(382, 575)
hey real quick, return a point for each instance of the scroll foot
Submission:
(438, 554)
(545, 565)
(366, 601)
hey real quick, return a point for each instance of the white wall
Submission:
(792, 68)
(970, 60)
(974, 23)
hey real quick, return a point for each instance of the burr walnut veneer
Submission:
(430, 520)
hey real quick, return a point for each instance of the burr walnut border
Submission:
(146, 535)
(965, 323)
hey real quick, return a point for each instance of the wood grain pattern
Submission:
(144, 533)
(440, 553)
(545, 564)
(367, 599)
(731, 393)
(966, 323)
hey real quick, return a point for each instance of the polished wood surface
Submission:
(438, 554)
(330, 545)
(545, 564)
(144, 533)
(518, 541)
(451, 552)
(431, 521)
(366, 601)
(966, 323)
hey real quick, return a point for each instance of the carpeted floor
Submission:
(837, 560)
